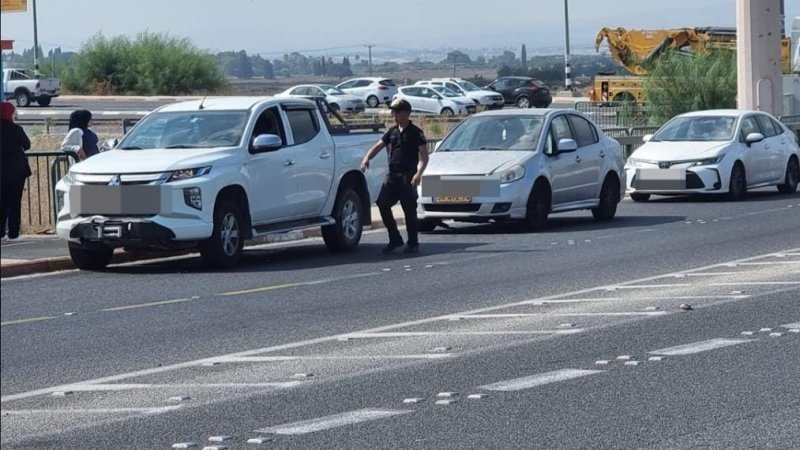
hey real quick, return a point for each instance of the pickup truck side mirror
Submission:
(752, 138)
(566, 146)
(267, 143)
(109, 144)
(647, 137)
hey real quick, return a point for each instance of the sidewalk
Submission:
(47, 253)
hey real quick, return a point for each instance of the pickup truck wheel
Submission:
(538, 207)
(345, 234)
(90, 257)
(609, 196)
(523, 102)
(372, 101)
(44, 101)
(224, 248)
(23, 98)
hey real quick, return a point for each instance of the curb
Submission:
(46, 265)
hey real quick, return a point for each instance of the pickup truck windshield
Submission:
(187, 129)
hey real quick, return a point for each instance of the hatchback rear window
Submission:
(389, 83)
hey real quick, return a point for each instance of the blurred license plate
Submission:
(452, 199)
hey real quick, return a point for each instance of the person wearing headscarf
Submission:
(81, 139)
(15, 170)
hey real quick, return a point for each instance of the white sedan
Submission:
(715, 152)
(436, 100)
(336, 98)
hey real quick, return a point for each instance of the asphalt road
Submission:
(320, 351)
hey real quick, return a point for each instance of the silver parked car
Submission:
(522, 165)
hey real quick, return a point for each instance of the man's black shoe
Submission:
(411, 249)
(392, 246)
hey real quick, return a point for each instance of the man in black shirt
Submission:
(408, 157)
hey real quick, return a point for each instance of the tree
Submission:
(457, 57)
(523, 57)
(678, 84)
(269, 71)
(324, 66)
(242, 66)
(316, 68)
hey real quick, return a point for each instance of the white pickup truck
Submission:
(24, 87)
(213, 173)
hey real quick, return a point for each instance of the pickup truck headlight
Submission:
(512, 174)
(707, 161)
(186, 174)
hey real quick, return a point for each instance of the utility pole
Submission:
(35, 43)
(369, 46)
(454, 69)
(567, 69)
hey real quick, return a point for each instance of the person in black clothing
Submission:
(15, 170)
(408, 157)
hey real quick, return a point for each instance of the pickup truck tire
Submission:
(90, 257)
(44, 101)
(23, 97)
(345, 234)
(224, 248)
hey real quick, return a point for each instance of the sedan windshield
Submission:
(469, 87)
(495, 133)
(697, 128)
(187, 129)
(332, 90)
(445, 91)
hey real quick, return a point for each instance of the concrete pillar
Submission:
(758, 34)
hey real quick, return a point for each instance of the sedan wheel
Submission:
(738, 184)
(792, 178)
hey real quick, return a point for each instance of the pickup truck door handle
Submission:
(289, 162)
(578, 159)
(324, 155)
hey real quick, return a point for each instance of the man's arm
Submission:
(371, 154)
(423, 163)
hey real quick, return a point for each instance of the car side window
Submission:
(346, 85)
(766, 125)
(269, 122)
(413, 92)
(778, 127)
(363, 83)
(304, 125)
(584, 131)
(560, 129)
(749, 125)
(501, 84)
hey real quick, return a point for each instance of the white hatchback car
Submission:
(522, 165)
(436, 100)
(715, 152)
(336, 98)
(373, 90)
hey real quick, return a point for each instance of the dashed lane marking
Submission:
(29, 320)
(697, 347)
(401, 334)
(541, 379)
(255, 359)
(791, 325)
(544, 315)
(28, 412)
(334, 421)
(145, 305)
(298, 284)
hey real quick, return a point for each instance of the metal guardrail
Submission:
(42, 205)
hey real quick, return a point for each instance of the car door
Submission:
(755, 157)
(314, 152)
(591, 154)
(430, 100)
(565, 176)
(775, 169)
(506, 87)
(270, 174)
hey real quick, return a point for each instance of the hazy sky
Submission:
(273, 27)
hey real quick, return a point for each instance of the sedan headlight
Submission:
(634, 163)
(707, 161)
(512, 174)
(186, 174)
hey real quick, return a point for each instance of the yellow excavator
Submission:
(635, 49)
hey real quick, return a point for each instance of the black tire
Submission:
(428, 225)
(523, 102)
(624, 97)
(609, 198)
(640, 198)
(792, 177)
(22, 97)
(44, 101)
(95, 256)
(345, 234)
(373, 101)
(538, 207)
(447, 112)
(224, 248)
(737, 188)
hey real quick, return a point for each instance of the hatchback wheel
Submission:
(373, 101)
(523, 102)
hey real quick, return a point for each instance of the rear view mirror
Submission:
(647, 137)
(567, 145)
(267, 143)
(752, 138)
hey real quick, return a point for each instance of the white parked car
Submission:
(373, 90)
(522, 165)
(715, 152)
(486, 98)
(436, 100)
(337, 99)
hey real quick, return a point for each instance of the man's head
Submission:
(401, 110)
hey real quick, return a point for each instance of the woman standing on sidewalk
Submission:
(15, 170)
(81, 139)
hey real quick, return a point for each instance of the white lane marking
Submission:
(767, 263)
(714, 274)
(757, 283)
(244, 359)
(334, 421)
(545, 315)
(648, 286)
(399, 334)
(428, 320)
(125, 387)
(649, 298)
(697, 347)
(791, 325)
(532, 381)
(27, 412)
